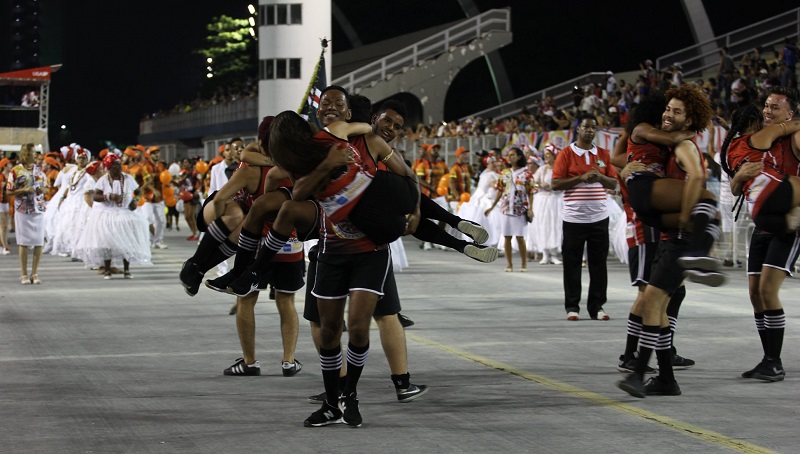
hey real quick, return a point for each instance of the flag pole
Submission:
(313, 76)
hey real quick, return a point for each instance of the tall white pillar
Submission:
(289, 44)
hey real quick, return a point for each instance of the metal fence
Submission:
(428, 48)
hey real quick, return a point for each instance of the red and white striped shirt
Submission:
(585, 202)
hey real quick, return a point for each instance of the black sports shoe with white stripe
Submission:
(242, 369)
(325, 416)
(349, 406)
(291, 369)
(412, 392)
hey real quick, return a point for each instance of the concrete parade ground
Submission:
(89, 365)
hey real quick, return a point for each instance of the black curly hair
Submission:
(698, 107)
(741, 120)
(649, 110)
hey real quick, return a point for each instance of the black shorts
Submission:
(772, 215)
(640, 192)
(199, 219)
(284, 277)
(339, 274)
(389, 304)
(774, 251)
(665, 273)
(640, 261)
(381, 211)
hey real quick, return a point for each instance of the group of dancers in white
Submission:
(543, 233)
(95, 216)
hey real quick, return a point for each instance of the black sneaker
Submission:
(245, 284)
(411, 393)
(291, 369)
(770, 370)
(632, 385)
(241, 369)
(485, 254)
(405, 321)
(700, 262)
(221, 283)
(317, 398)
(473, 230)
(234, 309)
(656, 387)
(709, 278)
(629, 365)
(349, 407)
(751, 372)
(191, 277)
(681, 363)
(325, 416)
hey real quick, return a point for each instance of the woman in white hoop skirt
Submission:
(72, 207)
(482, 199)
(547, 209)
(114, 231)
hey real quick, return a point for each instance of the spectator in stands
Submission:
(677, 74)
(611, 83)
(725, 69)
(788, 58)
(612, 118)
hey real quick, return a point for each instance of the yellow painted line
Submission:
(664, 421)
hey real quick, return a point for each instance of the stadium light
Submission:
(252, 21)
(209, 75)
(209, 60)
(252, 32)
(251, 9)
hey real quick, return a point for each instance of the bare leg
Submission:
(23, 259)
(37, 256)
(289, 324)
(246, 326)
(507, 249)
(393, 341)
(523, 254)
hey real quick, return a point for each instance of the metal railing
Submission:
(430, 47)
(768, 32)
(206, 116)
(561, 93)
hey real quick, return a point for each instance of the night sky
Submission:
(123, 59)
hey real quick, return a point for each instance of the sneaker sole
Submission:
(326, 423)
(241, 295)
(412, 397)
(217, 289)
(476, 232)
(769, 378)
(711, 279)
(649, 371)
(485, 255)
(635, 392)
(703, 263)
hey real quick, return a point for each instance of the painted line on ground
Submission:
(663, 421)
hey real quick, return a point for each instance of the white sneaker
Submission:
(161, 246)
(544, 261)
(5, 252)
(426, 246)
(601, 315)
(555, 261)
(572, 316)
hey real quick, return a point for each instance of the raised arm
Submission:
(688, 157)
(344, 129)
(763, 139)
(645, 132)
